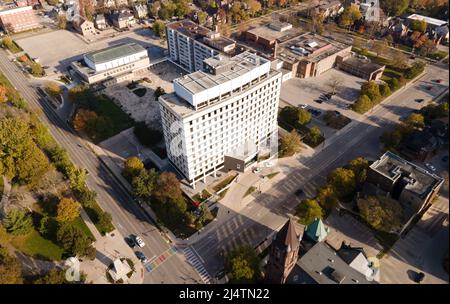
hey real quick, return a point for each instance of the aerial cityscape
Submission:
(224, 141)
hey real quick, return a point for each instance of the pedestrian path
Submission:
(198, 266)
(156, 261)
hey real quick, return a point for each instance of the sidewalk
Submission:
(5, 196)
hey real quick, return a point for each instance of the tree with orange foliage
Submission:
(3, 92)
(83, 118)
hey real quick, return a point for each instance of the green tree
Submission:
(343, 183)
(290, 144)
(394, 84)
(307, 211)
(74, 241)
(381, 212)
(159, 28)
(159, 92)
(394, 7)
(10, 268)
(202, 16)
(37, 70)
(144, 183)
(68, 210)
(418, 25)
(371, 90)
(104, 221)
(243, 265)
(133, 165)
(362, 104)
(18, 222)
(314, 135)
(415, 120)
(359, 166)
(77, 178)
(391, 139)
(385, 90)
(327, 198)
(62, 22)
(304, 117)
(53, 89)
(54, 276)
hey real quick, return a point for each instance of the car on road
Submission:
(314, 112)
(430, 167)
(445, 158)
(299, 192)
(337, 112)
(318, 100)
(419, 277)
(141, 256)
(130, 242)
(438, 80)
(303, 106)
(139, 241)
(419, 100)
(220, 274)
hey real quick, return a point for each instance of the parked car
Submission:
(419, 100)
(430, 167)
(130, 242)
(256, 170)
(419, 277)
(318, 100)
(220, 274)
(438, 80)
(299, 192)
(314, 112)
(139, 241)
(141, 256)
(337, 112)
(303, 106)
(429, 88)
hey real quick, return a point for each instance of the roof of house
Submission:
(428, 20)
(322, 265)
(317, 231)
(365, 65)
(287, 237)
(114, 52)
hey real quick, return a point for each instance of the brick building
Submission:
(18, 19)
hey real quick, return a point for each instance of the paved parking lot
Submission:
(50, 50)
(298, 91)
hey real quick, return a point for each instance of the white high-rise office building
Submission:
(224, 116)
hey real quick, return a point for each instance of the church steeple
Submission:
(283, 253)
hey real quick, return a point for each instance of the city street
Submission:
(268, 211)
(128, 217)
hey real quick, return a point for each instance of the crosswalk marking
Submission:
(158, 260)
(197, 265)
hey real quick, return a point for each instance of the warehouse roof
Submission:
(114, 52)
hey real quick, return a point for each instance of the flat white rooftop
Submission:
(428, 20)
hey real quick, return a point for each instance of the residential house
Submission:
(357, 259)
(437, 29)
(100, 22)
(123, 19)
(84, 26)
(140, 11)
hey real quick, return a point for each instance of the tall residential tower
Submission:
(222, 116)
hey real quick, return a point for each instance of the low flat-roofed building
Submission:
(19, 19)
(361, 67)
(227, 109)
(322, 265)
(310, 55)
(114, 64)
(412, 186)
(189, 44)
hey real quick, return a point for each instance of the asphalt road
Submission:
(128, 217)
(268, 212)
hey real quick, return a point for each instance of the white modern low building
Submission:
(222, 117)
(113, 65)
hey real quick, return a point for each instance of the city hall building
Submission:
(223, 117)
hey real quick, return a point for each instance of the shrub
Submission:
(18, 222)
(307, 211)
(362, 104)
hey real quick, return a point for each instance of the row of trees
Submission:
(163, 193)
(342, 185)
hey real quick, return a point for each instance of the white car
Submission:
(303, 106)
(256, 170)
(139, 241)
(430, 167)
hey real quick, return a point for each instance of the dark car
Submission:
(220, 274)
(141, 256)
(419, 277)
(429, 88)
(419, 100)
(445, 158)
(299, 192)
(318, 100)
(328, 96)
(337, 112)
(130, 241)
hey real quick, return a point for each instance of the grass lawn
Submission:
(33, 244)
(80, 224)
(14, 48)
(250, 191)
(223, 183)
(272, 175)
(222, 194)
(112, 120)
